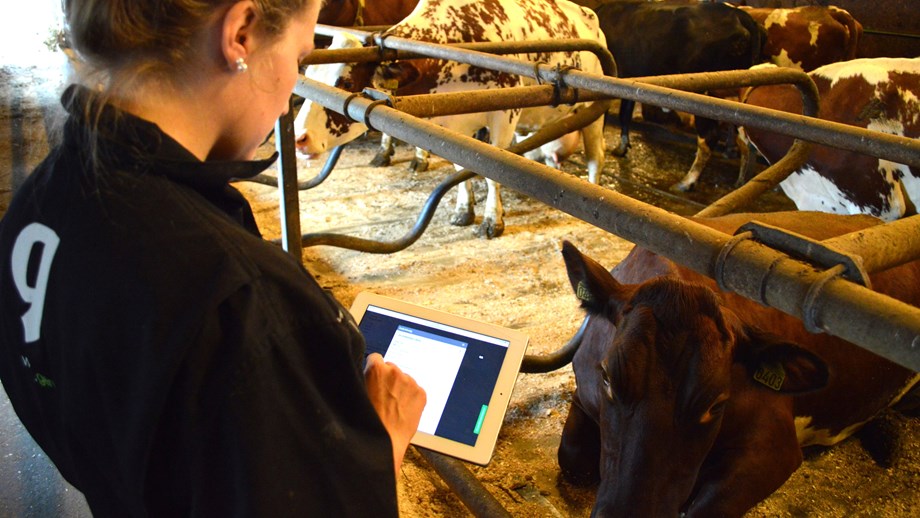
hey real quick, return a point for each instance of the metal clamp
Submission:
(809, 306)
(809, 250)
(723, 255)
(378, 97)
(559, 86)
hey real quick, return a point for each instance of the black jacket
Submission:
(168, 360)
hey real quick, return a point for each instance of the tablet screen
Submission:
(458, 368)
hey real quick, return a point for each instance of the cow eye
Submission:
(346, 84)
(715, 410)
(605, 377)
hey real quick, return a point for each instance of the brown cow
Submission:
(807, 37)
(695, 400)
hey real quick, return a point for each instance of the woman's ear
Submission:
(236, 34)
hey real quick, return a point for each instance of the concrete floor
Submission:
(30, 485)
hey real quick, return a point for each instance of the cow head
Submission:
(660, 380)
(318, 129)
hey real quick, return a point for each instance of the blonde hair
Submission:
(121, 41)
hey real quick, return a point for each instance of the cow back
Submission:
(808, 37)
(656, 38)
(467, 21)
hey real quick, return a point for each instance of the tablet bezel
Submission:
(481, 452)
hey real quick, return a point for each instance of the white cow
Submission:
(451, 21)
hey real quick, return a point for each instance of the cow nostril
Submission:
(302, 139)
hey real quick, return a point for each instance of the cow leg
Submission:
(493, 223)
(580, 448)
(595, 146)
(501, 135)
(707, 131)
(703, 152)
(747, 160)
(463, 212)
(419, 163)
(626, 110)
(382, 158)
(748, 468)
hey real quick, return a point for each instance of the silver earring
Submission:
(241, 65)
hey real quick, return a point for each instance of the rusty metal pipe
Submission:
(768, 179)
(454, 103)
(877, 322)
(898, 149)
(649, 90)
(882, 246)
(375, 53)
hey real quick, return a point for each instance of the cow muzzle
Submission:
(308, 146)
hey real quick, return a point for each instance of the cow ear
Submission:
(778, 365)
(398, 74)
(597, 290)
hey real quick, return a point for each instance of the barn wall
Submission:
(891, 27)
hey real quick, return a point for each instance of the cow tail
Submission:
(854, 30)
(757, 53)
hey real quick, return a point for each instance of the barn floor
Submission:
(517, 280)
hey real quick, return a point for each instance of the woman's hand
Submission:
(399, 402)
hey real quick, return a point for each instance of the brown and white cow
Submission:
(807, 37)
(881, 94)
(678, 37)
(347, 13)
(453, 21)
(693, 400)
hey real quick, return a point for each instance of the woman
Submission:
(166, 358)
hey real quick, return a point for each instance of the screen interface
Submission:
(457, 368)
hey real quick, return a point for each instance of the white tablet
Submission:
(467, 368)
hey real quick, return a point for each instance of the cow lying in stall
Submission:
(693, 400)
(875, 93)
(318, 129)
(659, 38)
(804, 38)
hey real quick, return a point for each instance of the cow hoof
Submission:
(580, 478)
(681, 187)
(489, 229)
(620, 151)
(382, 159)
(881, 440)
(462, 219)
(418, 166)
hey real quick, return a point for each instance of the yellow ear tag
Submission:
(582, 292)
(390, 84)
(771, 374)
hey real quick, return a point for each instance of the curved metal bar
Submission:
(330, 164)
(772, 176)
(763, 182)
(467, 487)
(388, 247)
(271, 181)
(546, 134)
(533, 364)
